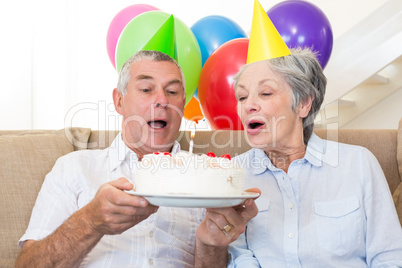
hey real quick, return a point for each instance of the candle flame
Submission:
(193, 132)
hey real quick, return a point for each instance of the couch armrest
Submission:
(397, 196)
(399, 148)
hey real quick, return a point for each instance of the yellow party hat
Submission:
(265, 41)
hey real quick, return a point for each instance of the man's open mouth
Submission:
(157, 124)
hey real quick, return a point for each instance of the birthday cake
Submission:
(188, 174)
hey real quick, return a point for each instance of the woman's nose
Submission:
(251, 105)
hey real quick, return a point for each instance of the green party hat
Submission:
(164, 39)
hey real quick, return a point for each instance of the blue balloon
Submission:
(213, 31)
(196, 94)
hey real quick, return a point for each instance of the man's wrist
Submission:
(85, 221)
(210, 256)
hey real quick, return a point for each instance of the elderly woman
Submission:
(323, 204)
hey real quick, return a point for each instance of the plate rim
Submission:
(244, 195)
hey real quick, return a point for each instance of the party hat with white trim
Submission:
(265, 41)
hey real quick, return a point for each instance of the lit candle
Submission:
(192, 141)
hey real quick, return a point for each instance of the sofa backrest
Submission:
(25, 159)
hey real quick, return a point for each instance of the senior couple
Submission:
(311, 212)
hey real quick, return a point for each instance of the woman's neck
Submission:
(282, 158)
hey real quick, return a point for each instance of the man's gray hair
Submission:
(302, 71)
(151, 55)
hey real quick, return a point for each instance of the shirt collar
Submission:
(118, 152)
(260, 162)
(315, 150)
(314, 155)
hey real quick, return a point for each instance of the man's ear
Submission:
(118, 101)
(305, 107)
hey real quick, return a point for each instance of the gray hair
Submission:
(302, 71)
(151, 55)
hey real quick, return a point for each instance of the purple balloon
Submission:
(302, 24)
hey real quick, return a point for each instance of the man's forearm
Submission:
(66, 247)
(210, 256)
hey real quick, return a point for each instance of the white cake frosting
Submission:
(188, 174)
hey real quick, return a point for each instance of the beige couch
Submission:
(27, 156)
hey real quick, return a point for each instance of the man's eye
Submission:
(145, 90)
(266, 94)
(172, 92)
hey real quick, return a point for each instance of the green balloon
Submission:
(144, 27)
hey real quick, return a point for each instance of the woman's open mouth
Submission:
(254, 126)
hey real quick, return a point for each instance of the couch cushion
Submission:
(218, 141)
(381, 142)
(101, 139)
(26, 157)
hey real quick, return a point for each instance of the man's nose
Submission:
(161, 101)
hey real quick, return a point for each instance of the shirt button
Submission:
(291, 235)
(290, 205)
(150, 261)
(151, 234)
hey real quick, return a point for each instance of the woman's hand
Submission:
(220, 227)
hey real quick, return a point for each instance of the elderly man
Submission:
(83, 217)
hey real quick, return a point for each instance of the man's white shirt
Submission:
(165, 239)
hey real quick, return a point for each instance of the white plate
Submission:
(193, 201)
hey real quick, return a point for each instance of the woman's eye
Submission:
(241, 98)
(266, 94)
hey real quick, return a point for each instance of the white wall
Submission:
(15, 65)
(54, 66)
(377, 118)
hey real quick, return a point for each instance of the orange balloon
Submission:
(192, 111)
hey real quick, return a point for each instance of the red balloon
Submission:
(215, 88)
